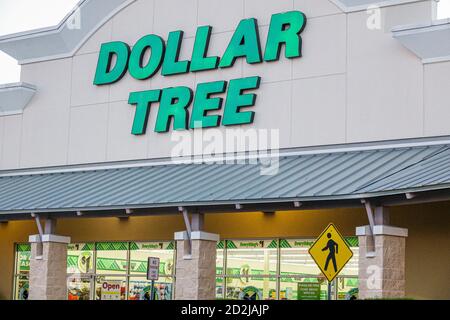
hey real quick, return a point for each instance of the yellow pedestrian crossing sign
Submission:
(330, 252)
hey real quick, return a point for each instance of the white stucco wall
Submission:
(351, 85)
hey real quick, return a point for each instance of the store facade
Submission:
(224, 144)
(271, 269)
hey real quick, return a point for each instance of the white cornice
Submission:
(382, 230)
(62, 40)
(362, 5)
(429, 42)
(196, 235)
(14, 97)
(48, 238)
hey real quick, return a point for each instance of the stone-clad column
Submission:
(48, 267)
(195, 277)
(381, 262)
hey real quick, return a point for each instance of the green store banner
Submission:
(23, 261)
(22, 247)
(352, 241)
(168, 245)
(116, 265)
(249, 244)
(111, 246)
(23, 251)
(274, 244)
(80, 247)
(117, 246)
(286, 244)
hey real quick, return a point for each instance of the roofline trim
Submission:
(56, 31)
(387, 3)
(436, 60)
(41, 31)
(341, 198)
(423, 27)
(14, 85)
(413, 37)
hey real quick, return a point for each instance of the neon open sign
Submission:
(116, 58)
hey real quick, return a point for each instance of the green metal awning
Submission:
(314, 178)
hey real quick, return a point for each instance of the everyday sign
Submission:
(116, 58)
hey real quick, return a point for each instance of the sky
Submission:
(22, 15)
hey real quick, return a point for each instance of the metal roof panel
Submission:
(318, 176)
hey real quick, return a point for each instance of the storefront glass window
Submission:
(300, 275)
(22, 269)
(140, 288)
(220, 257)
(246, 269)
(279, 269)
(107, 270)
(78, 287)
(80, 258)
(251, 267)
(80, 270)
(103, 284)
(257, 257)
(111, 258)
(251, 288)
(140, 251)
(347, 288)
(303, 288)
(351, 268)
(220, 263)
(220, 287)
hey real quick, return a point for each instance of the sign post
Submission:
(329, 290)
(152, 291)
(152, 273)
(331, 253)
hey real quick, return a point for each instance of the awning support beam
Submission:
(379, 216)
(370, 215)
(39, 247)
(187, 223)
(39, 225)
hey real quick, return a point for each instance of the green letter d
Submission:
(104, 73)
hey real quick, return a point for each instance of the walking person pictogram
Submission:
(333, 248)
(329, 247)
